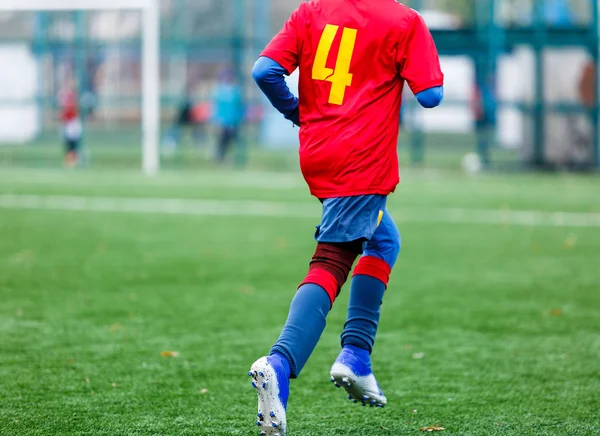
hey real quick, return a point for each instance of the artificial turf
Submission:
(487, 329)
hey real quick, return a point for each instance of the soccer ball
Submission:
(471, 163)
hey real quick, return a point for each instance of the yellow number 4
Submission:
(340, 78)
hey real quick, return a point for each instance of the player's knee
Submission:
(330, 267)
(375, 267)
(380, 257)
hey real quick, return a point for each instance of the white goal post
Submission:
(150, 59)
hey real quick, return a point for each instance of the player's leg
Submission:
(72, 137)
(226, 138)
(339, 243)
(310, 306)
(71, 152)
(352, 368)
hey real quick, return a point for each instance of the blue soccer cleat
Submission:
(273, 388)
(357, 379)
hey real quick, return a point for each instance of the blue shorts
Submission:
(361, 218)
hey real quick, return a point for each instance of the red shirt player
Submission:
(72, 128)
(354, 57)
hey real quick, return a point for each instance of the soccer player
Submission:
(228, 111)
(71, 120)
(354, 57)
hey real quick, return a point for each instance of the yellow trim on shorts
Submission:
(379, 218)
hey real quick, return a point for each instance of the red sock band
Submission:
(324, 279)
(373, 267)
(330, 267)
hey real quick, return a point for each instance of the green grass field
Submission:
(490, 326)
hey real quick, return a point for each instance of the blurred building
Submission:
(512, 66)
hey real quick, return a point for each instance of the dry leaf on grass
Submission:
(114, 385)
(282, 243)
(116, 327)
(204, 391)
(247, 290)
(571, 241)
(169, 353)
(24, 257)
(556, 312)
(432, 428)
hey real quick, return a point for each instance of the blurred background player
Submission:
(72, 128)
(184, 117)
(227, 112)
(354, 58)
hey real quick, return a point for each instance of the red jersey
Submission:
(70, 109)
(354, 57)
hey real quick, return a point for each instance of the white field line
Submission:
(247, 180)
(172, 206)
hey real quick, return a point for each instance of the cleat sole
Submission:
(262, 379)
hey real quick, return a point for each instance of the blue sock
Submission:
(364, 308)
(304, 326)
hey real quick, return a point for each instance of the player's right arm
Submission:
(419, 64)
(269, 77)
(280, 58)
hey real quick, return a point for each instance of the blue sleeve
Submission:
(431, 97)
(269, 77)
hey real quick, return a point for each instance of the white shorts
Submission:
(73, 129)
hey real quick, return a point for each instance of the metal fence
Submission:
(547, 119)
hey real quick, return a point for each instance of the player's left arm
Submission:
(278, 59)
(419, 64)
